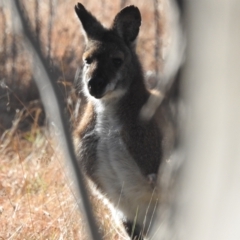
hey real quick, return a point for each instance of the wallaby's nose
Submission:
(96, 87)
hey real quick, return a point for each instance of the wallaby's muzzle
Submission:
(96, 87)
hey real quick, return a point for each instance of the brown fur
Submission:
(84, 130)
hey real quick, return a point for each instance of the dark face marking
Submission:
(104, 65)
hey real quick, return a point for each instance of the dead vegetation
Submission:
(37, 195)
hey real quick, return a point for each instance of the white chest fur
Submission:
(118, 173)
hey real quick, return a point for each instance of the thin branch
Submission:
(157, 36)
(4, 36)
(13, 57)
(37, 22)
(50, 22)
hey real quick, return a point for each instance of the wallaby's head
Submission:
(110, 62)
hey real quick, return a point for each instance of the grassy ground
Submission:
(37, 199)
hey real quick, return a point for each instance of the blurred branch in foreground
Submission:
(53, 106)
(206, 201)
(210, 192)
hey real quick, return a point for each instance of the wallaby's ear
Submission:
(127, 23)
(91, 25)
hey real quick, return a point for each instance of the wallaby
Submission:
(117, 149)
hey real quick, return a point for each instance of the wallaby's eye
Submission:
(87, 60)
(117, 62)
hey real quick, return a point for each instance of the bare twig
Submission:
(50, 21)
(37, 22)
(51, 100)
(157, 36)
(4, 37)
(13, 55)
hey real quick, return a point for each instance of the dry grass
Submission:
(37, 199)
(32, 182)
